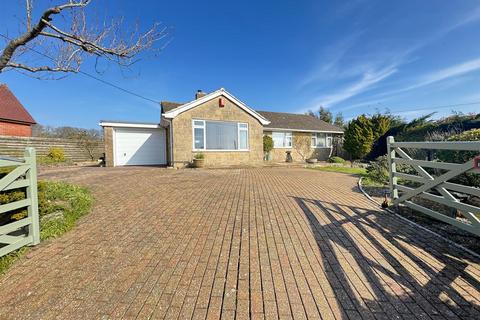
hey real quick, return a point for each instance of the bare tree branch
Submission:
(66, 49)
(39, 69)
(29, 14)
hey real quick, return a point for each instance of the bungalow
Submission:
(220, 126)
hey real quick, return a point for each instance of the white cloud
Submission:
(454, 71)
(370, 70)
(367, 80)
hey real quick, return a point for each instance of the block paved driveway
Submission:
(261, 243)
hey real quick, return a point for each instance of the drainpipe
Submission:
(170, 138)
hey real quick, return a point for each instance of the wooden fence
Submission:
(26, 231)
(74, 150)
(435, 187)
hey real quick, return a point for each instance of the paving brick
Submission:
(258, 243)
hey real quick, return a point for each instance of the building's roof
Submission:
(279, 120)
(297, 122)
(168, 105)
(215, 94)
(11, 109)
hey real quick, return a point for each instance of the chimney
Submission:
(199, 94)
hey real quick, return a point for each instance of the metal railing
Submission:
(435, 187)
(22, 175)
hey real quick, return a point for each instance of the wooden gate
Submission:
(436, 188)
(22, 175)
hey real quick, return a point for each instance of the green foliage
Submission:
(325, 115)
(469, 179)
(380, 124)
(65, 202)
(423, 128)
(57, 154)
(362, 132)
(267, 144)
(349, 170)
(359, 137)
(339, 120)
(336, 160)
(377, 171)
(70, 201)
(199, 156)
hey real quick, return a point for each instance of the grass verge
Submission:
(361, 172)
(60, 205)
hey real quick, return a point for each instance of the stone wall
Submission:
(108, 138)
(183, 140)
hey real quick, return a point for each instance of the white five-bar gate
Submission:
(22, 175)
(436, 188)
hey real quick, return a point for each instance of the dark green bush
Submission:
(267, 144)
(377, 170)
(469, 179)
(336, 160)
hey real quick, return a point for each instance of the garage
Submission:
(136, 144)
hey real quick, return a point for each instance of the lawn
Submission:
(360, 172)
(356, 171)
(60, 205)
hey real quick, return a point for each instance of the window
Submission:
(321, 140)
(219, 135)
(198, 135)
(282, 139)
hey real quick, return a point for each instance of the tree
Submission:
(64, 44)
(359, 137)
(380, 124)
(339, 121)
(325, 115)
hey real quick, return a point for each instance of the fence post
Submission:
(31, 175)
(392, 168)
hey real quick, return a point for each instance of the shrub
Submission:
(377, 170)
(469, 179)
(56, 154)
(267, 144)
(336, 160)
(199, 156)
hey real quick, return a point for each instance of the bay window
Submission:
(220, 135)
(321, 140)
(282, 139)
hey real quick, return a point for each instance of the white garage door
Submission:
(140, 146)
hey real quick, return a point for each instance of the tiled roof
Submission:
(11, 109)
(168, 105)
(282, 120)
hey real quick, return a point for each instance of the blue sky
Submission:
(411, 57)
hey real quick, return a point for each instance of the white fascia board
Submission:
(221, 92)
(300, 130)
(130, 125)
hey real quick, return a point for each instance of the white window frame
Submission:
(203, 126)
(199, 126)
(287, 134)
(239, 129)
(328, 140)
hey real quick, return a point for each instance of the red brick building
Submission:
(14, 118)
